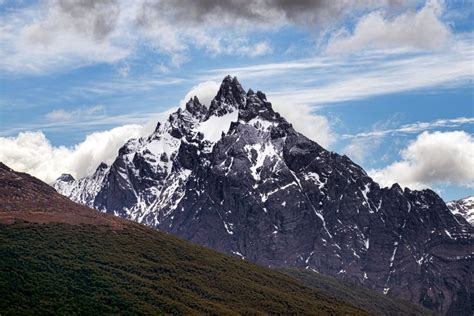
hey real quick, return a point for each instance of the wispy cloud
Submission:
(147, 120)
(81, 113)
(414, 128)
(125, 85)
(363, 145)
(325, 80)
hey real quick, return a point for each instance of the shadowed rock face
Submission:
(238, 178)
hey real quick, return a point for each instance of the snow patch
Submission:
(213, 128)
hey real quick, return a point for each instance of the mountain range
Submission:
(59, 257)
(235, 176)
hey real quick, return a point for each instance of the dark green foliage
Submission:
(361, 297)
(82, 269)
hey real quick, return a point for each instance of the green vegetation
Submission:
(84, 269)
(360, 297)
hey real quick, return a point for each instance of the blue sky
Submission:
(389, 84)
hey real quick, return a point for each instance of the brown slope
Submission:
(23, 197)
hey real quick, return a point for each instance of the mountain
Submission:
(237, 177)
(463, 208)
(58, 257)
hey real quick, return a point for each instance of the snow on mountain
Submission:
(84, 190)
(464, 208)
(236, 177)
(214, 126)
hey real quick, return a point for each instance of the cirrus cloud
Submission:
(62, 115)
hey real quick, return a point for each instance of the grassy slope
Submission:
(84, 269)
(361, 297)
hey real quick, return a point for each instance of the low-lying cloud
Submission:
(438, 158)
(33, 153)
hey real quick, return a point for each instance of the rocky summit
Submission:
(235, 176)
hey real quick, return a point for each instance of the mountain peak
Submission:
(66, 177)
(195, 107)
(230, 97)
(103, 166)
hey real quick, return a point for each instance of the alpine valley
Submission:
(236, 177)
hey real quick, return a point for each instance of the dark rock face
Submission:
(66, 177)
(238, 178)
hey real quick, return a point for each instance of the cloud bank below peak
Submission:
(437, 158)
(33, 153)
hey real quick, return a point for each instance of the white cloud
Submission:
(259, 49)
(57, 34)
(62, 115)
(32, 152)
(324, 80)
(415, 30)
(414, 127)
(432, 159)
(59, 116)
(315, 127)
(49, 35)
(244, 48)
(205, 91)
(359, 148)
(361, 145)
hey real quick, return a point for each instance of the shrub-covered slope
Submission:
(85, 269)
(359, 296)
